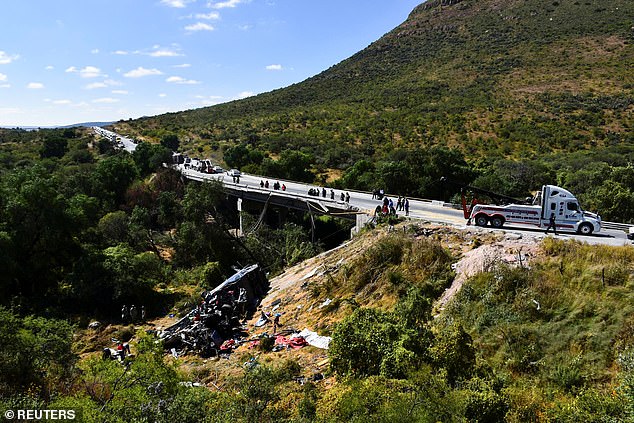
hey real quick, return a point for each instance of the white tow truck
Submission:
(569, 216)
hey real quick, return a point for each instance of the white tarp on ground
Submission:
(313, 339)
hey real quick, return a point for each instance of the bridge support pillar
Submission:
(240, 232)
(361, 221)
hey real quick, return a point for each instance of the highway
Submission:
(420, 209)
(425, 210)
(128, 144)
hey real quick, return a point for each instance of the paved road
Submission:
(432, 211)
(127, 144)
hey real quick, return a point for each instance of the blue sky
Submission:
(71, 61)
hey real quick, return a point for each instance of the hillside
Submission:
(533, 329)
(494, 78)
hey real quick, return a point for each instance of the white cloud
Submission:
(207, 16)
(141, 71)
(162, 95)
(123, 92)
(6, 58)
(224, 4)
(95, 85)
(60, 102)
(95, 51)
(106, 100)
(35, 86)
(112, 83)
(164, 53)
(5, 85)
(120, 52)
(184, 65)
(90, 72)
(86, 71)
(49, 67)
(199, 26)
(3, 77)
(181, 80)
(274, 67)
(245, 94)
(175, 3)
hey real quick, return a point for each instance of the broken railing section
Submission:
(218, 316)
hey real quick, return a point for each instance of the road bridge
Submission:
(362, 204)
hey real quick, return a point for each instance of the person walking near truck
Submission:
(551, 224)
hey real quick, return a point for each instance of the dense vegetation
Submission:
(85, 229)
(525, 92)
(506, 95)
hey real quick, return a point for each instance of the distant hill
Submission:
(83, 124)
(495, 78)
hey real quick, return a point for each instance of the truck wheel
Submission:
(585, 229)
(481, 220)
(497, 222)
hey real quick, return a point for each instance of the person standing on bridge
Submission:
(266, 184)
(342, 196)
(283, 187)
(261, 183)
(406, 206)
(347, 197)
(332, 194)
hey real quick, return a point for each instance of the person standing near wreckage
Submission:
(134, 313)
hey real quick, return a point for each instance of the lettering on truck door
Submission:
(572, 211)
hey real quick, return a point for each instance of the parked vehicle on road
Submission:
(536, 211)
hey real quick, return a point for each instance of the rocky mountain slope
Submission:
(492, 77)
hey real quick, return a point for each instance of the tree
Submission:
(149, 157)
(41, 231)
(54, 147)
(34, 352)
(171, 142)
(113, 176)
(296, 166)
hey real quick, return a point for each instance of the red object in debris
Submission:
(298, 342)
(228, 344)
(294, 343)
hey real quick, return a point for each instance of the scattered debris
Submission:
(312, 338)
(94, 325)
(325, 303)
(214, 325)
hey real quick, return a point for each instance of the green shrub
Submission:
(372, 342)
(453, 351)
(483, 404)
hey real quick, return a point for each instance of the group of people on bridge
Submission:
(388, 207)
(276, 185)
(344, 196)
